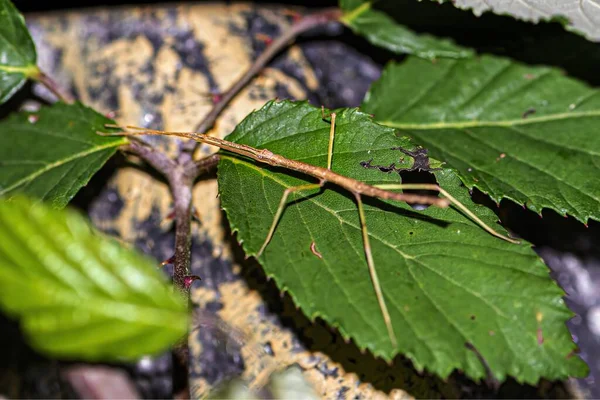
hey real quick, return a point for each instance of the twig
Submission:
(306, 23)
(51, 85)
(207, 163)
(181, 189)
(157, 159)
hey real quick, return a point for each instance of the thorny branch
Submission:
(304, 24)
(183, 171)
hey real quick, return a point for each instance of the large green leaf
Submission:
(52, 153)
(579, 15)
(525, 133)
(79, 294)
(383, 31)
(446, 281)
(17, 51)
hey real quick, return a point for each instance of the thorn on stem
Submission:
(295, 15)
(170, 215)
(266, 39)
(189, 279)
(216, 97)
(169, 260)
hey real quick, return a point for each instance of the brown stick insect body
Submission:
(324, 175)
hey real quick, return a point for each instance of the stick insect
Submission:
(326, 175)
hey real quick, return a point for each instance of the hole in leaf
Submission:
(419, 177)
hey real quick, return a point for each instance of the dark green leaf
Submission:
(17, 51)
(79, 294)
(445, 280)
(578, 15)
(525, 133)
(52, 153)
(383, 31)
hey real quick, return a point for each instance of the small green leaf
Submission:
(383, 31)
(17, 51)
(446, 281)
(577, 15)
(514, 131)
(79, 294)
(50, 154)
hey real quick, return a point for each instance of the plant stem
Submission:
(157, 159)
(52, 86)
(304, 24)
(207, 163)
(183, 171)
(181, 189)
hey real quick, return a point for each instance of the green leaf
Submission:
(79, 294)
(514, 131)
(445, 280)
(577, 15)
(383, 31)
(52, 153)
(17, 51)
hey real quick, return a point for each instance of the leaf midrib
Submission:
(57, 164)
(488, 123)
(145, 315)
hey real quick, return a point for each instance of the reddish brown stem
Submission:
(306, 23)
(181, 189)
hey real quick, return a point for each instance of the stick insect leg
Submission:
(373, 272)
(281, 207)
(458, 204)
(331, 138)
(291, 190)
